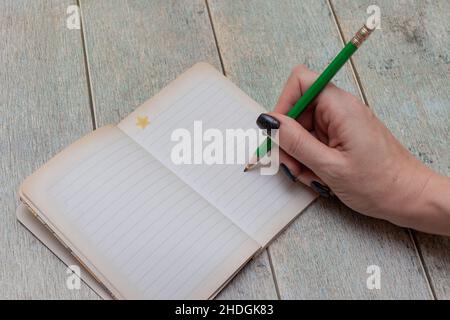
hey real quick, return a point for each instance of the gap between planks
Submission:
(92, 103)
(86, 69)
(364, 98)
(215, 38)
(272, 269)
(354, 74)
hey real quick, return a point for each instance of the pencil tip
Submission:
(250, 165)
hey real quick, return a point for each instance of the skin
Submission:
(339, 142)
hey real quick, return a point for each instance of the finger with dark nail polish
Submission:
(287, 172)
(324, 191)
(265, 121)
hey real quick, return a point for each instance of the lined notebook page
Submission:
(143, 224)
(260, 205)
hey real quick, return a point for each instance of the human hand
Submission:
(339, 144)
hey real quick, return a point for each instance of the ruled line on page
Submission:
(105, 188)
(151, 234)
(141, 273)
(119, 158)
(223, 185)
(162, 119)
(120, 216)
(127, 248)
(193, 231)
(109, 207)
(143, 211)
(121, 142)
(194, 268)
(209, 273)
(78, 170)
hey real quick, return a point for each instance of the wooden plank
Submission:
(326, 251)
(404, 73)
(134, 49)
(44, 106)
(254, 281)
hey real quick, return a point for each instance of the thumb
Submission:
(301, 144)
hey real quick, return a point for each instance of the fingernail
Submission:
(265, 121)
(287, 172)
(324, 191)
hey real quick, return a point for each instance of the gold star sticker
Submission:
(142, 122)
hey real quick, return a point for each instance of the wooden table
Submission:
(57, 84)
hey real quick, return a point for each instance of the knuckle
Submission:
(299, 69)
(353, 101)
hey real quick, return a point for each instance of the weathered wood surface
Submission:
(44, 106)
(134, 49)
(405, 74)
(326, 252)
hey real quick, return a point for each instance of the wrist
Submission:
(426, 201)
(433, 206)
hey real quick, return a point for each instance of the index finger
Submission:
(298, 82)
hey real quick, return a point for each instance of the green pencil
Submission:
(316, 87)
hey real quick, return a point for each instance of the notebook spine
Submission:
(68, 248)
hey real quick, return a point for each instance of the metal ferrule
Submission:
(361, 36)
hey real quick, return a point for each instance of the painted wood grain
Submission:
(131, 55)
(134, 49)
(44, 106)
(405, 74)
(326, 251)
(254, 281)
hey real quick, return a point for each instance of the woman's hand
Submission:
(339, 144)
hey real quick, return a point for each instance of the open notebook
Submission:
(147, 228)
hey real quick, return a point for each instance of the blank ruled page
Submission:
(260, 205)
(143, 224)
